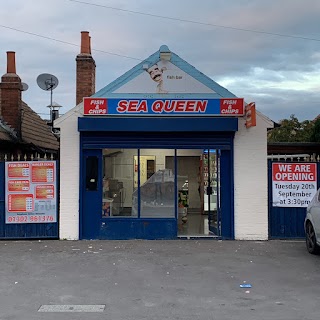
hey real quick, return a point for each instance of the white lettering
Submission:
(97, 111)
(97, 102)
(230, 111)
(230, 102)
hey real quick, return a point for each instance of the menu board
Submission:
(31, 192)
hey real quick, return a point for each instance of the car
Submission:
(312, 225)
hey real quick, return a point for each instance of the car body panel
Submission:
(313, 215)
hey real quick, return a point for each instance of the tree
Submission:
(291, 130)
(315, 135)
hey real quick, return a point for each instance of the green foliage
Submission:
(315, 136)
(291, 130)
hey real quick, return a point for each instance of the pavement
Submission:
(178, 279)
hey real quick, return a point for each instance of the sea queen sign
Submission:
(168, 107)
(293, 184)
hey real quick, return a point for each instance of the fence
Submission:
(288, 222)
(29, 194)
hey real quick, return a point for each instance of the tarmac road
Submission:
(180, 279)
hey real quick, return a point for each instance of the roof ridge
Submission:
(8, 128)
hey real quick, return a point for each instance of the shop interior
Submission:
(164, 183)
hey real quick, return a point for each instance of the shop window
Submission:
(134, 181)
(157, 184)
(119, 184)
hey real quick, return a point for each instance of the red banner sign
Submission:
(95, 106)
(232, 106)
(294, 172)
(251, 117)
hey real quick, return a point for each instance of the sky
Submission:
(266, 52)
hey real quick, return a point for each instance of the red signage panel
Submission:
(294, 172)
(251, 116)
(95, 106)
(233, 106)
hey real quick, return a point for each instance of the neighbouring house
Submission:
(22, 131)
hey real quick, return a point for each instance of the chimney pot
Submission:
(85, 42)
(86, 69)
(11, 62)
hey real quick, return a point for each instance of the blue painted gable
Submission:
(219, 91)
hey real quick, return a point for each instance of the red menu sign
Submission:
(20, 202)
(18, 185)
(45, 192)
(42, 171)
(18, 170)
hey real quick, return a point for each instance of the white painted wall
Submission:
(69, 175)
(251, 181)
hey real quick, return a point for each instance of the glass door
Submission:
(211, 205)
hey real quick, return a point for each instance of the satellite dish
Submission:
(25, 87)
(47, 81)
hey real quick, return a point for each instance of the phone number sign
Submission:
(293, 184)
(31, 192)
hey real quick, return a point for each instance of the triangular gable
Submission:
(121, 87)
(177, 77)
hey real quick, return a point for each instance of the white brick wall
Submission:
(69, 177)
(251, 181)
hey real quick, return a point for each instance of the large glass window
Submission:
(119, 184)
(157, 184)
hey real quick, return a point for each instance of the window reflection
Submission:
(129, 177)
(118, 182)
(157, 191)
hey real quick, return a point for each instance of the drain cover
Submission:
(72, 308)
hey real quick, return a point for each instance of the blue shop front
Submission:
(157, 154)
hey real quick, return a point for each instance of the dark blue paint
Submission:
(176, 214)
(127, 228)
(174, 140)
(161, 124)
(285, 223)
(227, 194)
(2, 199)
(26, 230)
(218, 195)
(153, 133)
(91, 201)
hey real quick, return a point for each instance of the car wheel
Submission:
(311, 241)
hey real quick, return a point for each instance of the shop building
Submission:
(161, 152)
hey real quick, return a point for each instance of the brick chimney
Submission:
(86, 69)
(10, 97)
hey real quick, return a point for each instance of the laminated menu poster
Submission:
(31, 192)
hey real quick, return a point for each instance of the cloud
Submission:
(280, 73)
